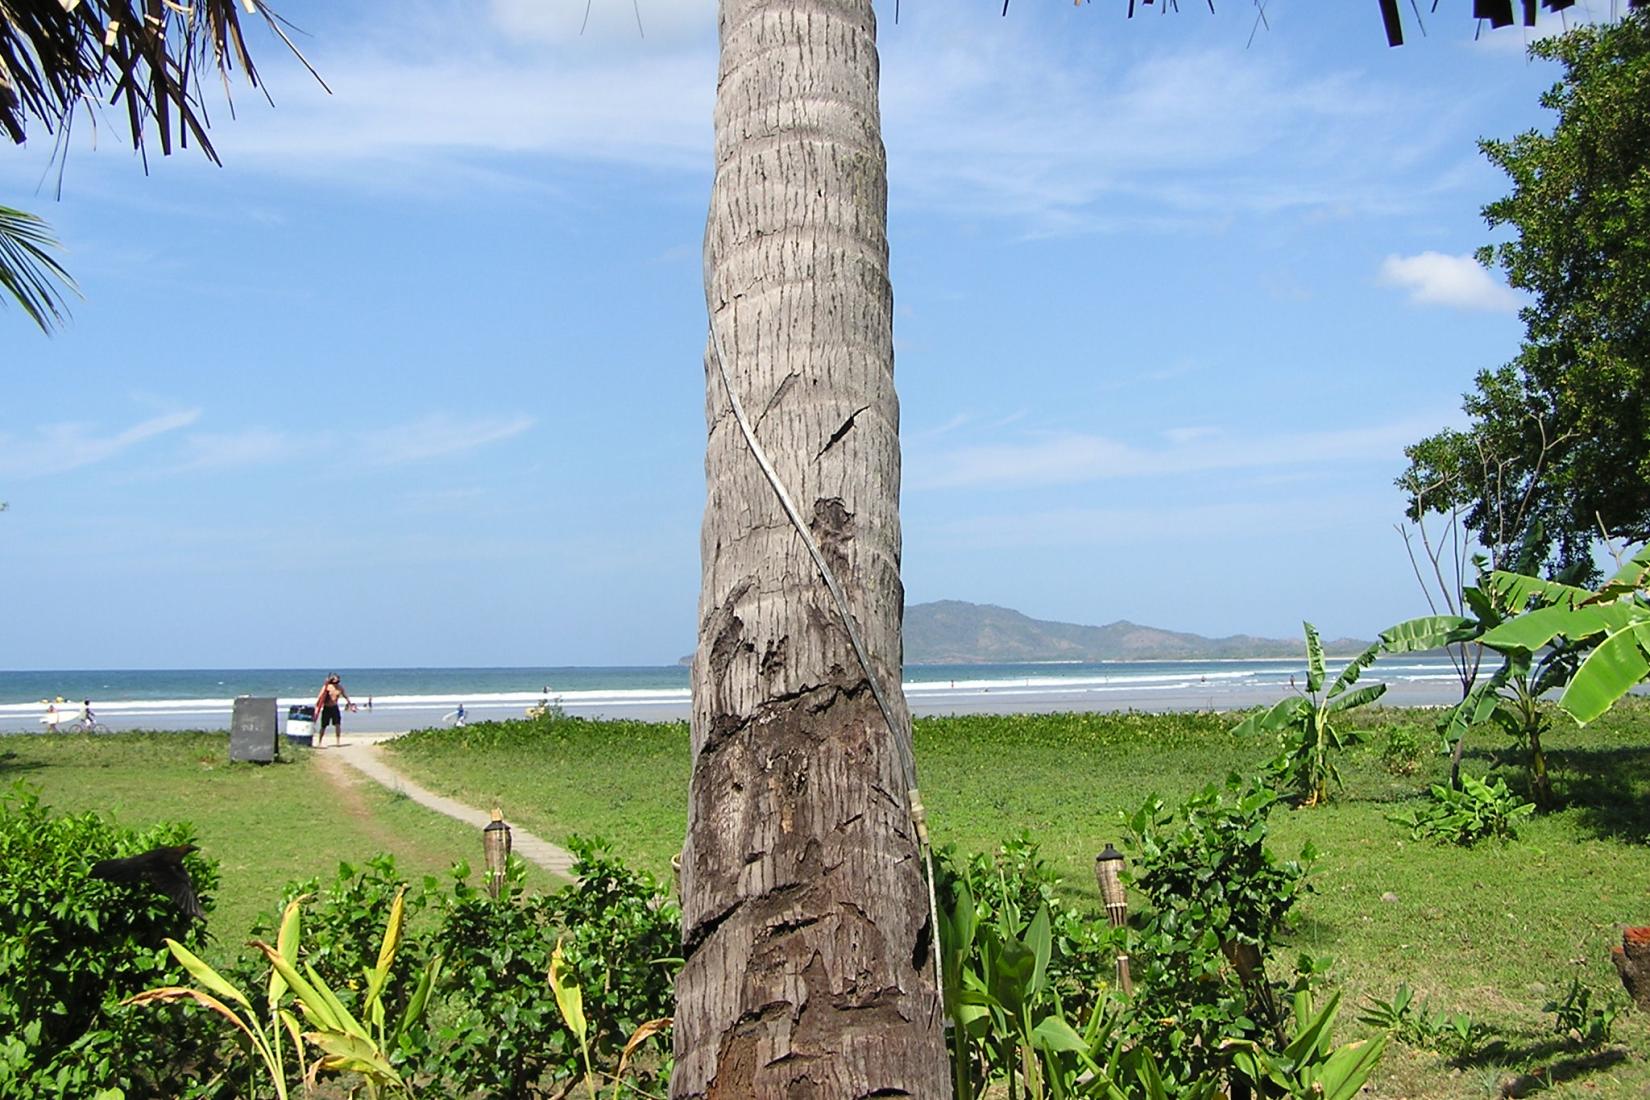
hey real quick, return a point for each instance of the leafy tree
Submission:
(1558, 451)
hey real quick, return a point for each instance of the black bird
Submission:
(161, 868)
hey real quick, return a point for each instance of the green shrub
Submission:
(1478, 811)
(1028, 979)
(1401, 753)
(495, 1029)
(492, 1028)
(1217, 903)
(343, 924)
(72, 947)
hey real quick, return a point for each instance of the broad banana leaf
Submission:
(1041, 941)
(1515, 590)
(1427, 632)
(1475, 707)
(286, 944)
(347, 1023)
(1313, 1033)
(1534, 629)
(169, 993)
(1610, 671)
(641, 1035)
(380, 973)
(1482, 605)
(1314, 659)
(1357, 697)
(569, 997)
(354, 1054)
(1053, 1033)
(420, 998)
(1632, 577)
(1354, 668)
(1282, 713)
(315, 1007)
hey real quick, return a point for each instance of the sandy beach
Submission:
(1030, 694)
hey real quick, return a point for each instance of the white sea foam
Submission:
(1200, 684)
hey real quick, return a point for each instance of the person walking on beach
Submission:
(326, 708)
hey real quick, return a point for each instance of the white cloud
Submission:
(995, 122)
(209, 451)
(644, 109)
(1071, 458)
(983, 117)
(437, 437)
(1181, 436)
(1456, 282)
(62, 446)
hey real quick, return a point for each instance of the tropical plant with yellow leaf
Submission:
(349, 1042)
(570, 1003)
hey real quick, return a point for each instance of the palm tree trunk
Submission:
(805, 911)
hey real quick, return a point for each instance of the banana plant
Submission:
(1611, 624)
(1305, 723)
(1595, 644)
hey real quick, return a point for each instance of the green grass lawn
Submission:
(265, 824)
(1492, 931)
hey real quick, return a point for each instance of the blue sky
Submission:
(416, 378)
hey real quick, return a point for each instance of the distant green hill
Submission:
(957, 632)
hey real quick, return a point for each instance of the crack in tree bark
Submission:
(836, 436)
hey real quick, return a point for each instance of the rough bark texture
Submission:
(805, 914)
(1632, 961)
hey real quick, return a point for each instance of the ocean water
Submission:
(407, 698)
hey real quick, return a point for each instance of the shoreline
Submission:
(1026, 695)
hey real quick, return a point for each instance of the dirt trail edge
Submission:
(365, 757)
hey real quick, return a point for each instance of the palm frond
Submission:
(142, 57)
(29, 273)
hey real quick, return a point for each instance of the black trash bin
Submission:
(300, 725)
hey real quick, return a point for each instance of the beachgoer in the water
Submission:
(326, 707)
(459, 717)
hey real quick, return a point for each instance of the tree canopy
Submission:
(1557, 452)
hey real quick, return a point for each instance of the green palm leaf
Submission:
(29, 273)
